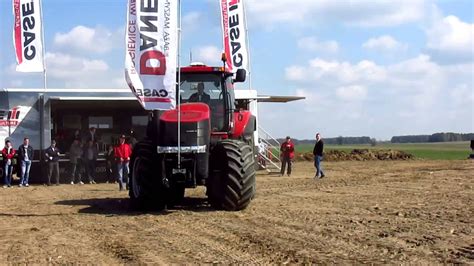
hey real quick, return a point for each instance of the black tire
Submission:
(146, 189)
(231, 185)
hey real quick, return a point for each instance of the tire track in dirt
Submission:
(364, 212)
(218, 242)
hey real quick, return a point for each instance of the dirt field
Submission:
(363, 212)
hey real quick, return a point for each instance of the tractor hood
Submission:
(190, 112)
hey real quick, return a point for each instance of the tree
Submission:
(373, 142)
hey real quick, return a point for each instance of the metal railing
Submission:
(269, 151)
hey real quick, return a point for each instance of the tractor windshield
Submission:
(208, 89)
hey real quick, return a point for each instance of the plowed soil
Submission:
(363, 212)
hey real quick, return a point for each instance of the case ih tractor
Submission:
(216, 148)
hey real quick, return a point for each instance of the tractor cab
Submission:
(212, 86)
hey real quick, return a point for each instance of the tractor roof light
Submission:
(197, 64)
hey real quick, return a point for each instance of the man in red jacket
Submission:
(287, 153)
(122, 153)
(7, 153)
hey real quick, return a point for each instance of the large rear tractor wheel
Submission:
(146, 189)
(231, 184)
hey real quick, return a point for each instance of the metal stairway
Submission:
(268, 152)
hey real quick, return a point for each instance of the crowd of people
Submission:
(83, 155)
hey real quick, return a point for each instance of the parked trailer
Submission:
(57, 113)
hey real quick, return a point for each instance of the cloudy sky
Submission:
(366, 67)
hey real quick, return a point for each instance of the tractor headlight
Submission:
(184, 149)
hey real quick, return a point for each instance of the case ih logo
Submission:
(10, 118)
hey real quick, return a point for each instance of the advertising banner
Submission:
(234, 34)
(27, 35)
(151, 52)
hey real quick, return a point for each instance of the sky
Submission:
(367, 68)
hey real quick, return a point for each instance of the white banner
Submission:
(152, 45)
(27, 37)
(10, 120)
(234, 34)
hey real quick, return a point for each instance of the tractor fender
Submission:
(244, 125)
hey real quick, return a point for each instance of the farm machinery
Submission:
(216, 148)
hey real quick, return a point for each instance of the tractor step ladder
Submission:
(268, 152)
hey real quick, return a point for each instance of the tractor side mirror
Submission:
(240, 75)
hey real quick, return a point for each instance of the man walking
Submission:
(7, 153)
(75, 155)
(122, 155)
(287, 153)
(318, 156)
(25, 155)
(52, 157)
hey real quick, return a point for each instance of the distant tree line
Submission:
(437, 137)
(337, 141)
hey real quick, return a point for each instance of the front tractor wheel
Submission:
(146, 190)
(232, 179)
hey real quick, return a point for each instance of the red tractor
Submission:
(216, 149)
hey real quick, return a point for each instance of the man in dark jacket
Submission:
(90, 157)
(25, 156)
(75, 160)
(91, 135)
(200, 95)
(318, 156)
(52, 157)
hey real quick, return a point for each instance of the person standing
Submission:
(72, 137)
(122, 153)
(91, 135)
(25, 155)
(8, 152)
(287, 153)
(133, 139)
(90, 157)
(52, 157)
(109, 162)
(318, 156)
(75, 155)
(77, 134)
